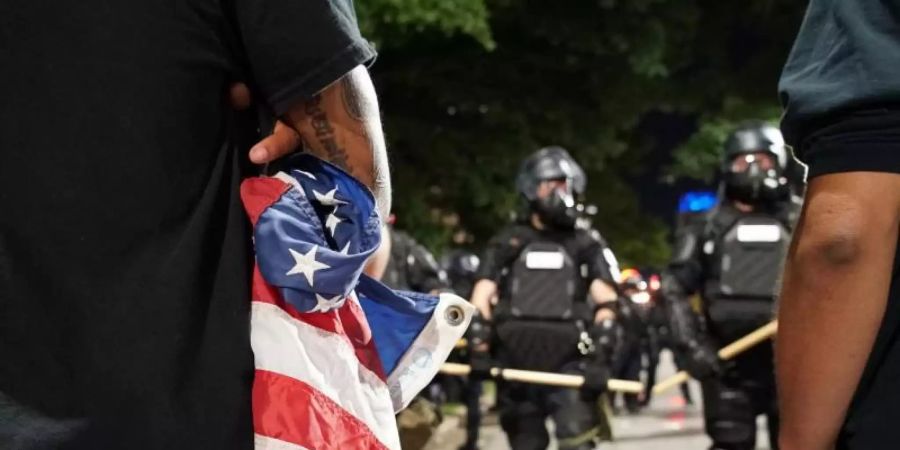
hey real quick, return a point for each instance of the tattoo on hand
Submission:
(324, 132)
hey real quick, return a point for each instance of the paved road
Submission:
(667, 424)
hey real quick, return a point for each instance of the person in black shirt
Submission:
(543, 271)
(124, 251)
(838, 346)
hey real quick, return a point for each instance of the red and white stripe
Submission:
(312, 389)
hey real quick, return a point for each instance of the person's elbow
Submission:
(836, 233)
(603, 292)
(833, 243)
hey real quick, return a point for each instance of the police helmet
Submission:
(552, 163)
(461, 267)
(754, 162)
(461, 263)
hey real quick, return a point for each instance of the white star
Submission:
(306, 264)
(327, 304)
(289, 180)
(332, 222)
(327, 198)
(346, 249)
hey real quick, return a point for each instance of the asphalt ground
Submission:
(666, 424)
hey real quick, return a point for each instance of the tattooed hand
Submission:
(341, 125)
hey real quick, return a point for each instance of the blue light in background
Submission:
(696, 201)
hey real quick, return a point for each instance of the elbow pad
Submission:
(683, 322)
(605, 336)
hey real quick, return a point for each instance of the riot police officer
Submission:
(732, 259)
(555, 288)
(635, 309)
(411, 267)
(461, 267)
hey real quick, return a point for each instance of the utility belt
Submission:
(542, 345)
(732, 318)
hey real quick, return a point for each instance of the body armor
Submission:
(544, 283)
(743, 262)
(542, 310)
(411, 267)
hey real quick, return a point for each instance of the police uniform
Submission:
(541, 316)
(733, 259)
(411, 267)
(638, 337)
(461, 268)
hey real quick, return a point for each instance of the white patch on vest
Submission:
(758, 233)
(545, 260)
(709, 247)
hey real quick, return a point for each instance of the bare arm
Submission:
(837, 277)
(341, 125)
(602, 292)
(377, 264)
(482, 293)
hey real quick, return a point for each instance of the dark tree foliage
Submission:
(470, 87)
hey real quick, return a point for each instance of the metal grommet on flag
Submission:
(454, 315)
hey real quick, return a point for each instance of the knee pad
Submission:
(730, 420)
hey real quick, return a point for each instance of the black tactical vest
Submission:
(743, 256)
(543, 283)
(541, 304)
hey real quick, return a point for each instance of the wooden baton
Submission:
(548, 378)
(725, 353)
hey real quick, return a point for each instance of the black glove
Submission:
(481, 365)
(702, 360)
(479, 331)
(596, 375)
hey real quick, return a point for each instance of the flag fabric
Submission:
(336, 353)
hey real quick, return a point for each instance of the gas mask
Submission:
(754, 181)
(557, 210)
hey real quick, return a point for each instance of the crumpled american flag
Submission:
(337, 353)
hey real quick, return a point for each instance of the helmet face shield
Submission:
(549, 181)
(548, 164)
(754, 163)
(761, 161)
(556, 207)
(547, 188)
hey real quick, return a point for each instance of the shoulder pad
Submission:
(589, 235)
(516, 236)
(790, 213)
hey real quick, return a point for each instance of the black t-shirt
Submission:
(841, 92)
(865, 140)
(868, 141)
(586, 247)
(124, 252)
(846, 58)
